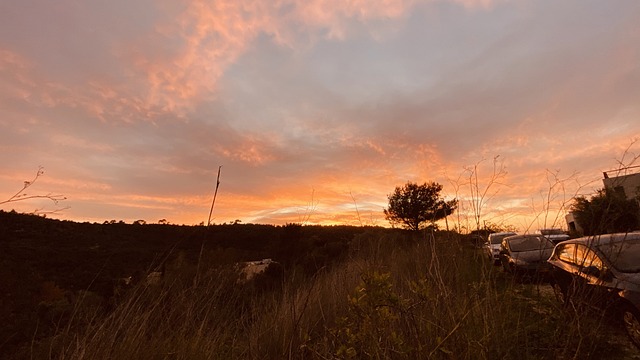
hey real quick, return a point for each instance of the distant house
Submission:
(572, 224)
(625, 180)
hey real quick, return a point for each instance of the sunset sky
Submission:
(315, 109)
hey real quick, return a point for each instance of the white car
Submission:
(554, 235)
(492, 246)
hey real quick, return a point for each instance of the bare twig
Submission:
(555, 200)
(460, 210)
(311, 208)
(625, 164)
(480, 194)
(356, 205)
(22, 196)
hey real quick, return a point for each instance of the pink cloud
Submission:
(214, 34)
(473, 4)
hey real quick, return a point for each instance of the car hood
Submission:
(532, 256)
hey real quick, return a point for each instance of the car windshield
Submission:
(623, 255)
(529, 243)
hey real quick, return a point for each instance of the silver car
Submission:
(602, 271)
(526, 255)
(492, 246)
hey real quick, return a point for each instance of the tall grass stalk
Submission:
(213, 203)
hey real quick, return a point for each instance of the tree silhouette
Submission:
(413, 205)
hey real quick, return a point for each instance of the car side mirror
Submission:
(591, 271)
(607, 275)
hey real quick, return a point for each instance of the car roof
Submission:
(502, 233)
(604, 239)
(522, 236)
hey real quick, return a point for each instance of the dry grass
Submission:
(433, 298)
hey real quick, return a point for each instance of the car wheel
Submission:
(631, 323)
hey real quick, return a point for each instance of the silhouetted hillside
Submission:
(45, 261)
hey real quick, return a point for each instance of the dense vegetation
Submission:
(609, 211)
(339, 293)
